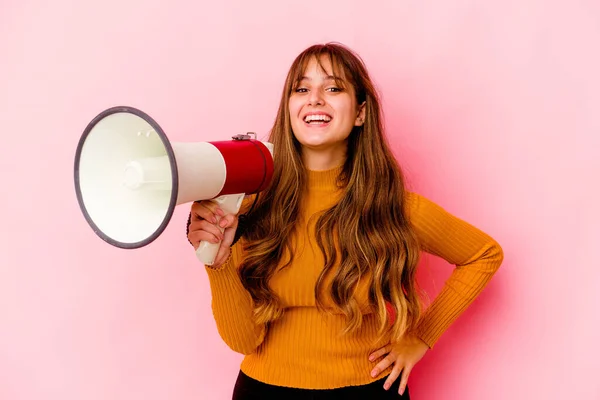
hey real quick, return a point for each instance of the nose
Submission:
(315, 98)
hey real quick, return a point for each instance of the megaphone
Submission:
(129, 177)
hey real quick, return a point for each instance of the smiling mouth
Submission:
(317, 119)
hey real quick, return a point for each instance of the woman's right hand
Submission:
(206, 217)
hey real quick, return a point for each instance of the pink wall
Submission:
(493, 107)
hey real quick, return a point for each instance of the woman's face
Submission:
(323, 114)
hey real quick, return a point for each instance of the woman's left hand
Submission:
(404, 354)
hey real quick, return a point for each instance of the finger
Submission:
(404, 380)
(392, 376)
(379, 353)
(200, 211)
(383, 364)
(227, 221)
(210, 233)
(222, 256)
(202, 236)
(229, 235)
(205, 226)
(207, 210)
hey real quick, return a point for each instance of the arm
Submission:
(232, 307)
(474, 253)
(231, 302)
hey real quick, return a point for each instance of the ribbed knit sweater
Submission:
(304, 348)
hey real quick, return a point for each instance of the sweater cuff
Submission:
(226, 277)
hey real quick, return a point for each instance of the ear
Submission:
(360, 117)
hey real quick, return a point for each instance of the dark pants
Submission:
(247, 388)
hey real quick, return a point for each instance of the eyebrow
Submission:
(327, 78)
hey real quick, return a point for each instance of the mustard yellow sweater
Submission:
(304, 348)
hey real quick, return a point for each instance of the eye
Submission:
(301, 90)
(334, 89)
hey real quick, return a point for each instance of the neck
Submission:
(316, 160)
(323, 178)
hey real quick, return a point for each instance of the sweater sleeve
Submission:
(232, 306)
(475, 254)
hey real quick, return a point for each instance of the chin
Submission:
(309, 140)
(314, 145)
(320, 140)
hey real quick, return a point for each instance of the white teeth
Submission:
(320, 117)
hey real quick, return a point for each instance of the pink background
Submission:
(493, 108)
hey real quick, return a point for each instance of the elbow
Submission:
(498, 252)
(495, 256)
(487, 260)
(241, 343)
(241, 348)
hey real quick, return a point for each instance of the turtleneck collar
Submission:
(323, 179)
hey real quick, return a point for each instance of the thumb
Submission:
(229, 230)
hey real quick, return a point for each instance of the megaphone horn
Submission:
(129, 177)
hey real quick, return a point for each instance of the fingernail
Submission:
(371, 358)
(223, 223)
(386, 386)
(214, 219)
(373, 373)
(220, 212)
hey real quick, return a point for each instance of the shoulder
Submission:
(442, 231)
(422, 211)
(416, 203)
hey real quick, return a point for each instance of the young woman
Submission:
(319, 291)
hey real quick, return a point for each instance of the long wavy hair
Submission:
(373, 234)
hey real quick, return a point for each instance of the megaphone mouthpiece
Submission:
(148, 173)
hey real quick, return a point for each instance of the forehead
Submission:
(320, 67)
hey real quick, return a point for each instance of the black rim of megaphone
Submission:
(174, 176)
